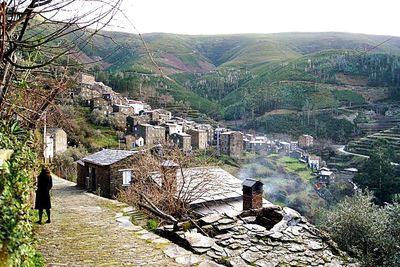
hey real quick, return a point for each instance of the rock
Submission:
(169, 227)
(276, 235)
(251, 256)
(225, 221)
(211, 218)
(234, 246)
(238, 262)
(213, 255)
(255, 227)
(249, 219)
(217, 248)
(200, 250)
(149, 236)
(240, 236)
(296, 248)
(128, 209)
(160, 241)
(188, 260)
(314, 245)
(224, 236)
(209, 264)
(197, 240)
(123, 219)
(254, 249)
(290, 214)
(266, 263)
(175, 251)
(224, 227)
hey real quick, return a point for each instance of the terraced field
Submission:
(363, 145)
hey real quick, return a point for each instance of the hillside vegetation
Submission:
(245, 76)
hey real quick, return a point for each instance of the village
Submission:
(234, 220)
(146, 127)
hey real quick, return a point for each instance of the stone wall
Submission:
(199, 138)
(267, 237)
(102, 174)
(116, 179)
(81, 174)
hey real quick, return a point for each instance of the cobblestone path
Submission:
(84, 232)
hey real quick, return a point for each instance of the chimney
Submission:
(168, 176)
(252, 194)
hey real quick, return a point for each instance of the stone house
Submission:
(314, 162)
(85, 94)
(101, 103)
(138, 106)
(213, 190)
(125, 109)
(182, 140)
(326, 176)
(132, 141)
(306, 141)
(171, 128)
(133, 121)
(293, 145)
(231, 143)
(217, 135)
(209, 130)
(158, 116)
(285, 146)
(108, 97)
(56, 142)
(151, 134)
(86, 80)
(119, 120)
(199, 138)
(106, 172)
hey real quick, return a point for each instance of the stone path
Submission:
(87, 230)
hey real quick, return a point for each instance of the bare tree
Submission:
(39, 39)
(167, 183)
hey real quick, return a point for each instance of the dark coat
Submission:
(44, 184)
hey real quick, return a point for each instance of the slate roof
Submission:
(215, 183)
(108, 156)
(250, 182)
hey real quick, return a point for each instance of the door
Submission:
(92, 179)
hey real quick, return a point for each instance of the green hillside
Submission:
(244, 76)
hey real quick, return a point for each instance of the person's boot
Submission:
(40, 217)
(48, 216)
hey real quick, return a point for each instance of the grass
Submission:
(293, 166)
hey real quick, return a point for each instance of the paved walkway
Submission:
(87, 230)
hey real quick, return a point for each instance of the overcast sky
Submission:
(261, 16)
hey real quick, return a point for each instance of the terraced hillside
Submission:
(363, 145)
(243, 77)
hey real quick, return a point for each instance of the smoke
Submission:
(279, 185)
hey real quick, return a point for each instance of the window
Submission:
(126, 177)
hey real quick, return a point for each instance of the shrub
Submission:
(364, 229)
(17, 247)
(64, 164)
(152, 225)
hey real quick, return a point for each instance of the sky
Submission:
(260, 16)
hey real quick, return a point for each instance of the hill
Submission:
(245, 76)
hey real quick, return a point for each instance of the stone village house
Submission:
(199, 138)
(55, 142)
(231, 143)
(106, 171)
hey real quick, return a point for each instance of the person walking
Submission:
(44, 184)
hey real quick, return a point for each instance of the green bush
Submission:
(152, 225)
(64, 164)
(367, 231)
(17, 246)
